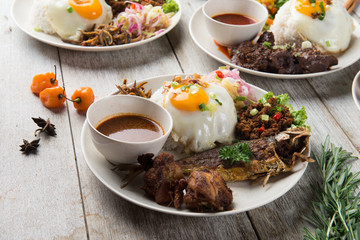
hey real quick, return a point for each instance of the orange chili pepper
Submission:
(43, 81)
(82, 98)
(53, 97)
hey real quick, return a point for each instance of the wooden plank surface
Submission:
(39, 194)
(44, 196)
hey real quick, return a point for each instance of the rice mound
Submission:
(39, 17)
(284, 30)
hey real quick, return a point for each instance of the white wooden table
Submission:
(54, 195)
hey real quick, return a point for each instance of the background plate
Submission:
(20, 12)
(246, 194)
(356, 90)
(202, 38)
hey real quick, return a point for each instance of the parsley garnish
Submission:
(235, 153)
(328, 44)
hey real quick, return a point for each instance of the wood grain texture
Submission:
(42, 196)
(39, 194)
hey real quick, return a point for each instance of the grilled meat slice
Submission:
(207, 191)
(270, 156)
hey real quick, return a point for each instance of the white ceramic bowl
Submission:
(229, 34)
(117, 151)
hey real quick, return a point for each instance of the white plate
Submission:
(202, 38)
(246, 194)
(20, 12)
(356, 90)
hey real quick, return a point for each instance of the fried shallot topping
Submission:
(137, 90)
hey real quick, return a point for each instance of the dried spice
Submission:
(29, 147)
(45, 126)
(137, 90)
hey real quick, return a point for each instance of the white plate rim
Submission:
(86, 142)
(198, 14)
(355, 89)
(24, 24)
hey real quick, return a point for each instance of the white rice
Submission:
(283, 29)
(39, 17)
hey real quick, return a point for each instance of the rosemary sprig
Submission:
(336, 211)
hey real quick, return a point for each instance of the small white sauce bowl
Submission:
(228, 34)
(116, 151)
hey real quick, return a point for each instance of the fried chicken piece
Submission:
(207, 191)
(165, 181)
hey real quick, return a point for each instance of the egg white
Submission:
(200, 130)
(68, 25)
(333, 33)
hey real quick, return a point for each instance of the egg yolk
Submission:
(89, 9)
(309, 9)
(183, 98)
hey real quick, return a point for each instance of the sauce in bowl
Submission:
(131, 128)
(234, 18)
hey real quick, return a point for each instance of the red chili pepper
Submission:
(219, 74)
(277, 116)
(261, 129)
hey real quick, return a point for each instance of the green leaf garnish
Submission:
(235, 153)
(70, 9)
(170, 6)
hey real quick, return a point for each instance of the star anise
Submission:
(45, 126)
(29, 147)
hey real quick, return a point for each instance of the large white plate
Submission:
(356, 90)
(202, 38)
(246, 194)
(20, 12)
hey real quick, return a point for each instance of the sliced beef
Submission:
(283, 60)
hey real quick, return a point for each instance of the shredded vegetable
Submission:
(238, 89)
(146, 21)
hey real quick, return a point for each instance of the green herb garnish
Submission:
(236, 153)
(267, 44)
(183, 88)
(240, 98)
(37, 29)
(170, 6)
(322, 14)
(202, 107)
(217, 100)
(69, 9)
(336, 209)
(328, 44)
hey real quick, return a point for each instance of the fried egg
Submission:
(203, 114)
(69, 17)
(323, 22)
